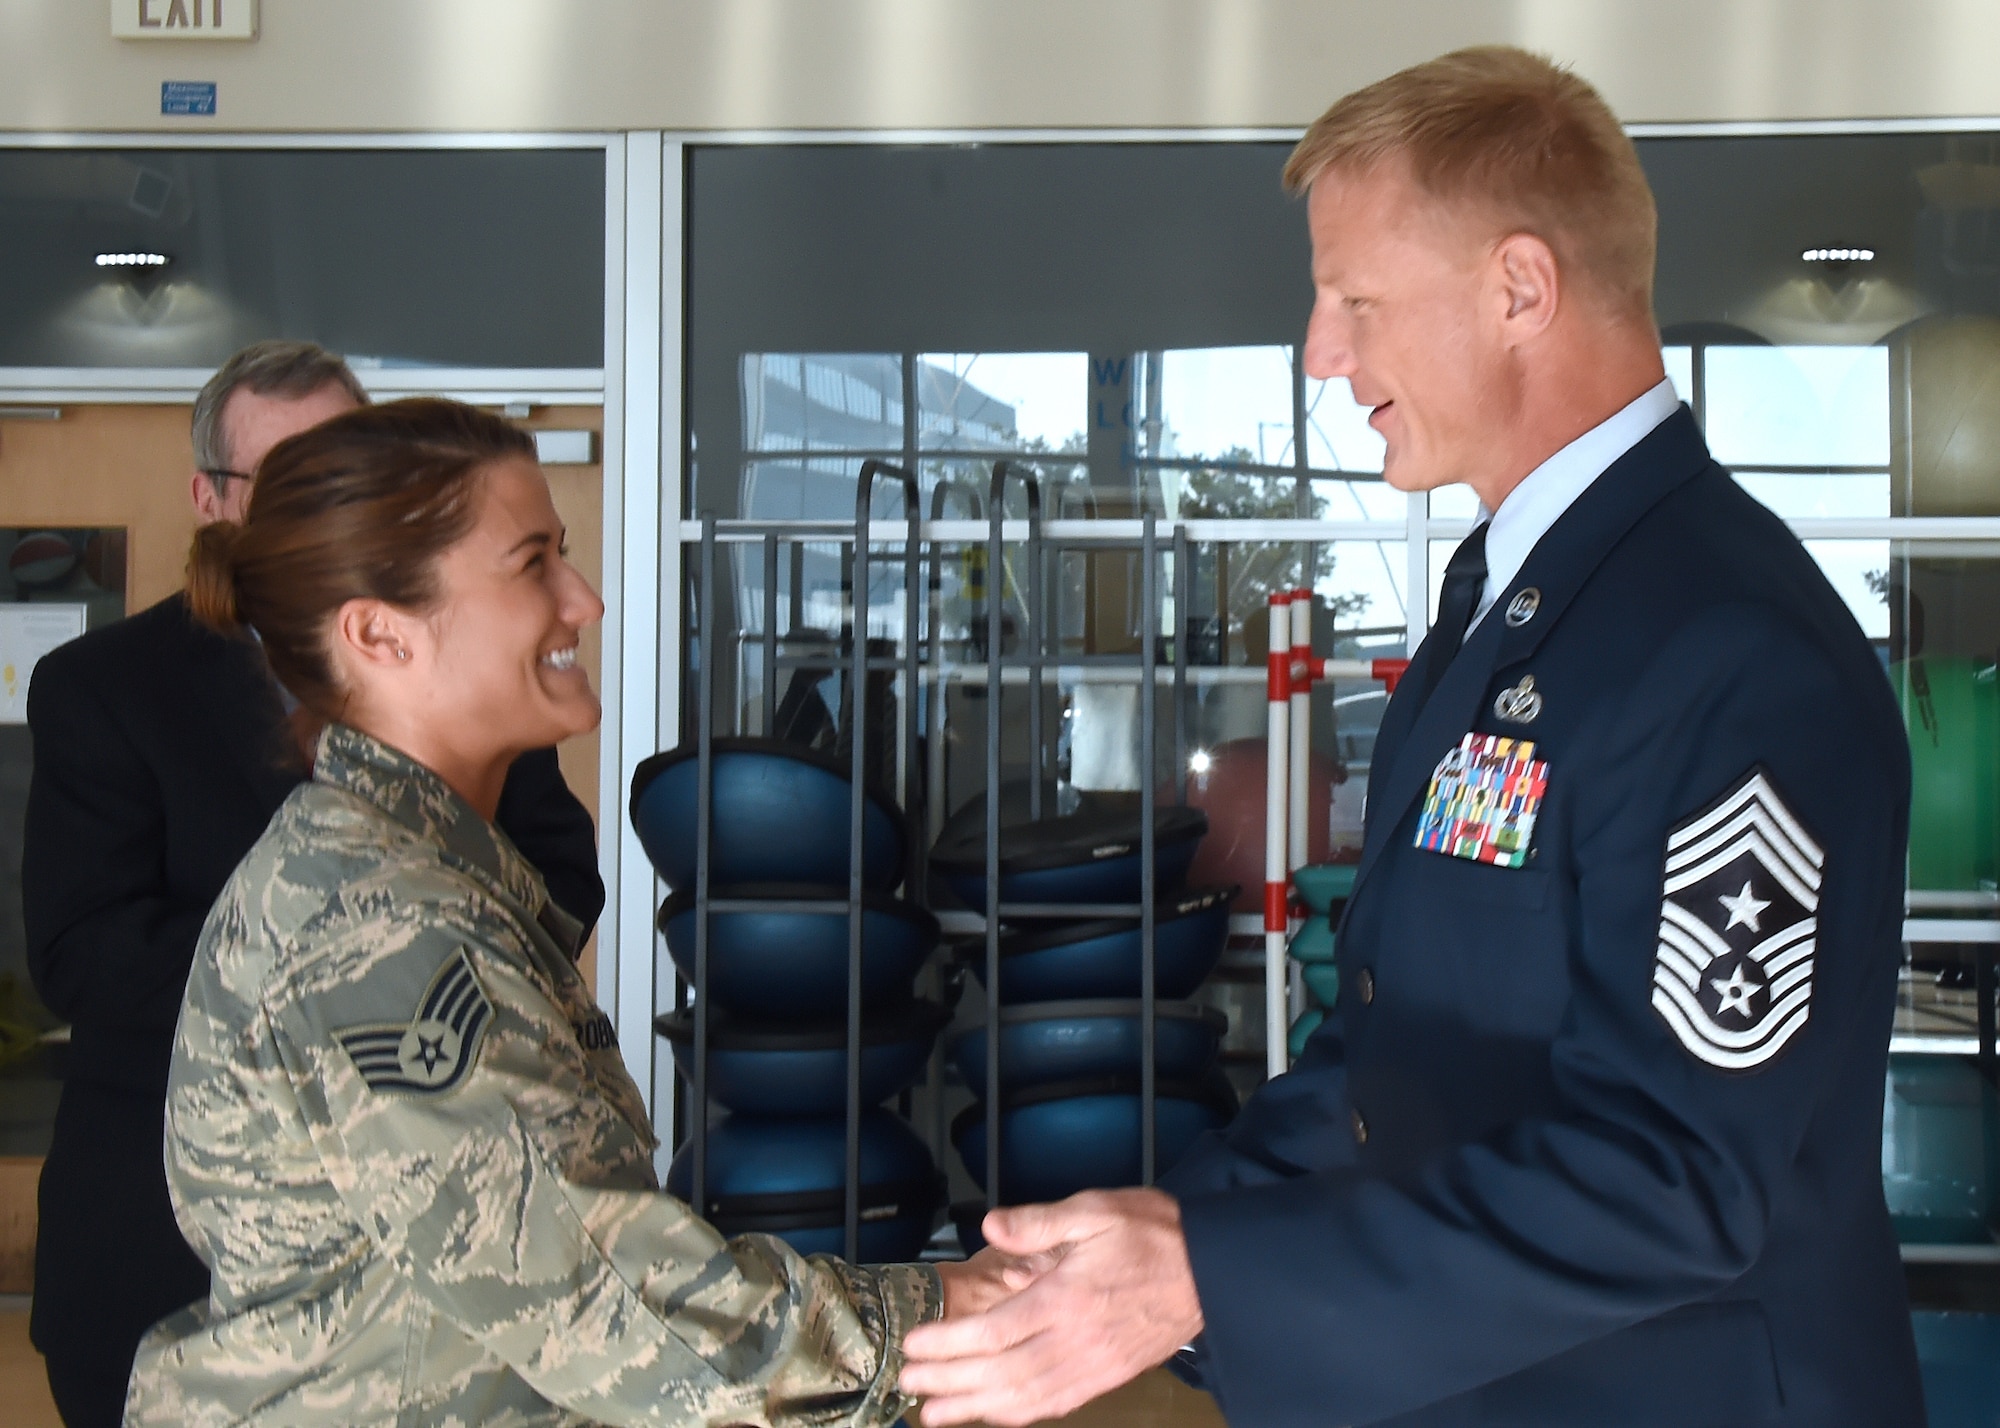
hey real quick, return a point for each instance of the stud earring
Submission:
(402, 653)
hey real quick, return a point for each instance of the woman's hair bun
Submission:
(211, 576)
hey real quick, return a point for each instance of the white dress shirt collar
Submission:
(1538, 502)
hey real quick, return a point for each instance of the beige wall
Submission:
(952, 64)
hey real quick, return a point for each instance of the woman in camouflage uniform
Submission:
(425, 1193)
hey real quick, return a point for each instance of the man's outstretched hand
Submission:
(1114, 1297)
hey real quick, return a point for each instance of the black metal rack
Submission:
(913, 665)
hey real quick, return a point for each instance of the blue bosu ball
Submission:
(1089, 856)
(780, 815)
(1058, 1139)
(786, 1176)
(1042, 1042)
(791, 966)
(776, 1069)
(1100, 957)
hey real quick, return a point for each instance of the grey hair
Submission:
(274, 368)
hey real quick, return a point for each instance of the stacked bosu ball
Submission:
(1070, 1019)
(1320, 886)
(777, 987)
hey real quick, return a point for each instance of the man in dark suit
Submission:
(1593, 1134)
(161, 751)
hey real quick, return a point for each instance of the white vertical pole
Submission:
(1277, 767)
(610, 752)
(642, 579)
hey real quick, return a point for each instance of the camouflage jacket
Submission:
(401, 1136)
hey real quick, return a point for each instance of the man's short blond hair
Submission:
(1516, 134)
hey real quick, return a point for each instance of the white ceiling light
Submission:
(1838, 255)
(133, 260)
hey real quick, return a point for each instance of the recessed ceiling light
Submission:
(133, 260)
(1838, 255)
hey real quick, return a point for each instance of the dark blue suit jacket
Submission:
(1505, 1187)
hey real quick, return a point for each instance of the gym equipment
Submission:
(772, 1069)
(1947, 462)
(783, 1176)
(780, 815)
(1321, 885)
(1081, 1135)
(1044, 1042)
(1323, 981)
(1091, 856)
(784, 964)
(1951, 707)
(1231, 790)
(1100, 957)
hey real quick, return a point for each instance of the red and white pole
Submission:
(1301, 701)
(1388, 671)
(1277, 806)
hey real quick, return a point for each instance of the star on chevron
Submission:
(1735, 993)
(430, 1050)
(1744, 908)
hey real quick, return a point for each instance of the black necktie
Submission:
(1464, 582)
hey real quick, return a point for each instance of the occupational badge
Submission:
(1738, 928)
(1483, 799)
(430, 1052)
(1522, 704)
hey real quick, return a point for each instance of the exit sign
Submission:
(184, 19)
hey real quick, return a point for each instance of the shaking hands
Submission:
(1068, 1301)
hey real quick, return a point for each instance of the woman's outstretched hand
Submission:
(1111, 1295)
(977, 1284)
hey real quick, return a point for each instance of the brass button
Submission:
(1360, 1129)
(1364, 983)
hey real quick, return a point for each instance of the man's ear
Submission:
(1529, 284)
(207, 500)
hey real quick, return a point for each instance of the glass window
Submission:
(398, 258)
(1861, 495)
(1362, 499)
(1227, 404)
(1002, 401)
(1858, 570)
(1680, 370)
(1338, 437)
(797, 401)
(1798, 406)
(1454, 503)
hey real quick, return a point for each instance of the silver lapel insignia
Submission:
(1522, 607)
(1520, 705)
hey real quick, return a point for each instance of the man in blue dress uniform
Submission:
(1593, 1134)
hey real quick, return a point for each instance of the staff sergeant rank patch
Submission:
(1738, 928)
(433, 1051)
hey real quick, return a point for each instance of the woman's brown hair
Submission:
(357, 508)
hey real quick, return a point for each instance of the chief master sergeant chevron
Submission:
(1593, 1134)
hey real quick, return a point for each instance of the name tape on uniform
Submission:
(1483, 799)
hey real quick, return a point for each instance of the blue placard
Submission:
(187, 96)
